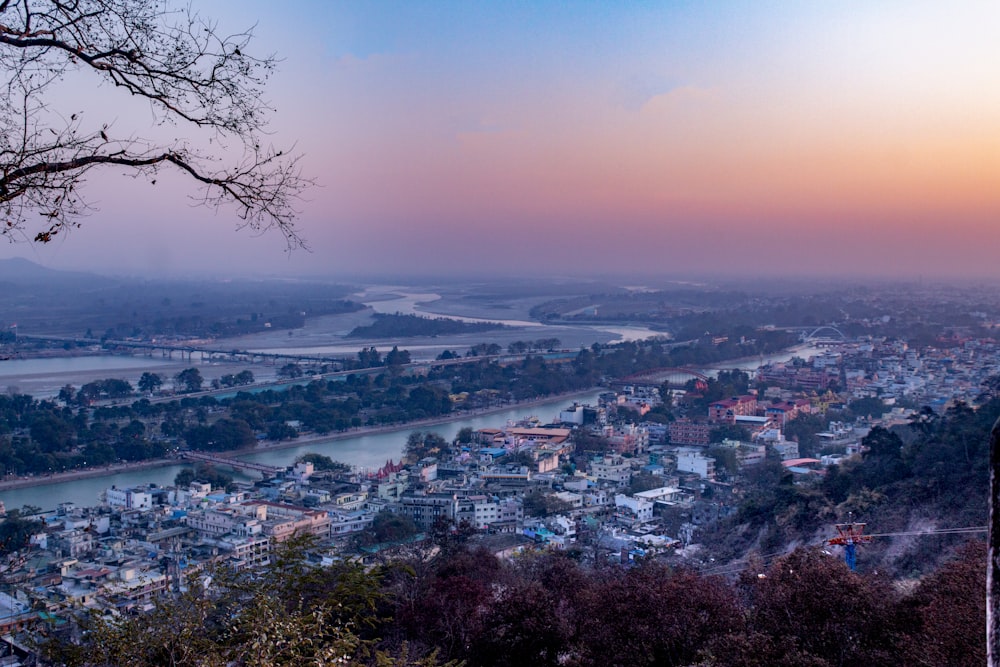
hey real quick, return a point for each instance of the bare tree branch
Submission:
(188, 72)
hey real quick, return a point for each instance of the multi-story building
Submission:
(425, 509)
(693, 460)
(138, 498)
(727, 410)
(611, 468)
(687, 432)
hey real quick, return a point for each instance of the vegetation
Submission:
(203, 472)
(464, 604)
(325, 463)
(915, 475)
(406, 326)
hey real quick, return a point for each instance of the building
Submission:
(611, 468)
(726, 411)
(692, 460)
(138, 498)
(687, 432)
(424, 509)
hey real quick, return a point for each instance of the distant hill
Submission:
(20, 271)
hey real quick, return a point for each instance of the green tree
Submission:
(542, 504)
(150, 382)
(421, 444)
(290, 371)
(296, 615)
(321, 462)
(369, 357)
(397, 357)
(190, 379)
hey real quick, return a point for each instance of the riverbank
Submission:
(26, 482)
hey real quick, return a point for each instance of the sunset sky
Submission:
(601, 137)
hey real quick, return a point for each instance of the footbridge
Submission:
(266, 471)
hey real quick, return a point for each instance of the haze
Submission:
(851, 138)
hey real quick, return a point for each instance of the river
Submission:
(364, 451)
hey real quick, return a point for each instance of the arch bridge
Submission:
(836, 335)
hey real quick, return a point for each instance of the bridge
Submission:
(168, 350)
(245, 466)
(825, 335)
(676, 377)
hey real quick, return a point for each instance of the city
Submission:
(496, 334)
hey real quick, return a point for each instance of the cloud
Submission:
(633, 94)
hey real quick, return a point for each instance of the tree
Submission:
(369, 357)
(321, 462)
(189, 73)
(421, 444)
(290, 371)
(149, 382)
(397, 357)
(190, 379)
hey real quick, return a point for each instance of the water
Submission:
(365, 451)
(411, 303)
(64, 365)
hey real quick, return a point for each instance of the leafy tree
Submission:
(290, 371)
(421, 444)
(726, 461)
(866, 407)
(484, 350)
(803, 429)
(223, 435)
(542, 504)
(15, 529)
(190, 379)
(294, 616)
(947, 612)
(389, 527)
(397, 357)
(644, 482)
(369, 357)
(67, 394)
(853, 621)
(682, 614)
(150, 382)
(203, 472)
(185, 71)
(729, 432)
(321, 462)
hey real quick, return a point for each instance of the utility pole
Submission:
(993, 555)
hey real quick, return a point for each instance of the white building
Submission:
(640, 508)
(129, 498)
(692, 460)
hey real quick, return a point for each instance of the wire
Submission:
(741, 564)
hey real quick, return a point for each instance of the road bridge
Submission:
(266, 471)
(676, 377)
(168, 350)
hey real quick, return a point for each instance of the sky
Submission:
(584, 138)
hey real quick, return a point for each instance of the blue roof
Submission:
(493, 451)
